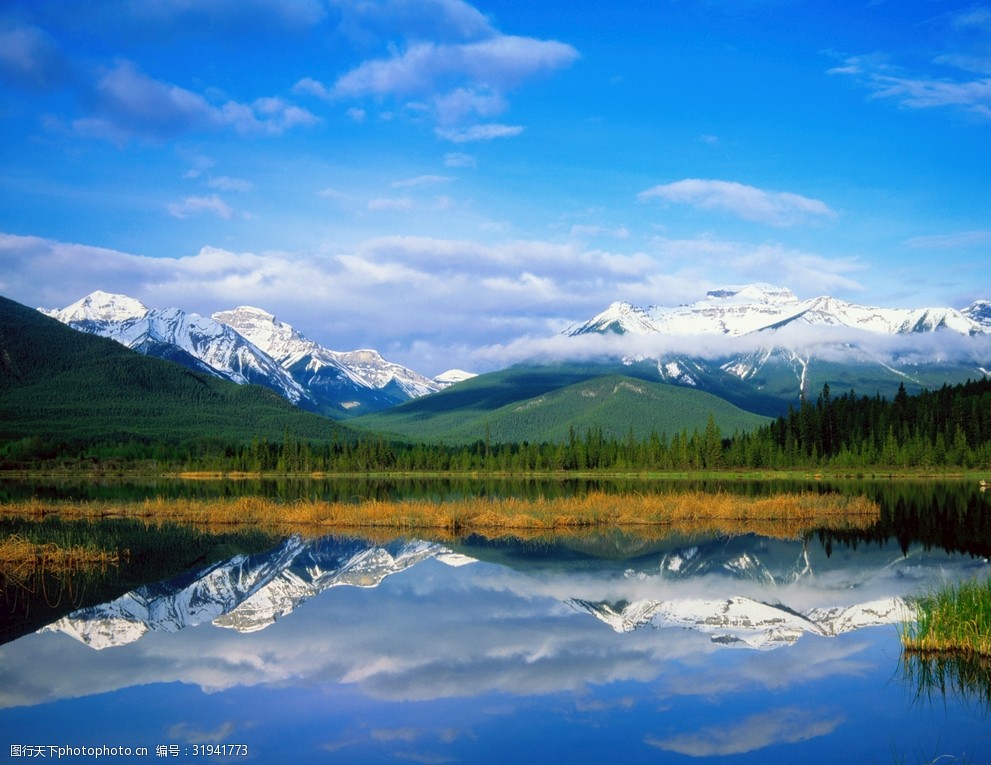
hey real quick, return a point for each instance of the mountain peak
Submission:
(979, 312)
(452, 376)
(99, 306)
(365, 367)
(248, 312)
(260, 327)
(620, 317)
(758, 292)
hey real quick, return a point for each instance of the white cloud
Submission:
(923, 93)
(462, 103)
(29, 57)
(968, 53)
(194, 205)
(130, 103)
(441, 296)
(583, 230)
(421, 180)
(394, 203)
(776, 208)
(226, 183)
(790, 725)
(336, 194)
(480, 133)
(458, 70)
(192, 734)
(459, 159)
(437, 303)
(266, 115)
(309, 86)
(950, 241)
(740, 262)
(446, 20)
(497, 63)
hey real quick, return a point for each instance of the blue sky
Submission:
(438, 179)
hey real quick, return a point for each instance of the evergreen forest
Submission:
(949, 428)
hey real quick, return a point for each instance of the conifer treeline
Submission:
(945, 428)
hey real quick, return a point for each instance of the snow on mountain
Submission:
(291, 587)
(100, 308)
(742, 591)
(620, 318)
(246, 593)
(452, 377)
(172, 606)
(745, 622)
(276, 338)
(249, 345)
(291, 349)
(737, 311)
(193, 340)
(378, 373)
(249, 593)
(784, 572)
(782, 338)
(979, 312)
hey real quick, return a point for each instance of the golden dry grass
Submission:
(685, 512)
(21, 559)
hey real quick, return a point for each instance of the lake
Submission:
(597, 648)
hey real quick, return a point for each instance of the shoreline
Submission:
(873, 474)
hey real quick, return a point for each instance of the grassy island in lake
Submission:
(690, 510)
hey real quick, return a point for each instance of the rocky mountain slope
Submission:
(764, 335)
(249, 345)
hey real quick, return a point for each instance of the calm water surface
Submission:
(606, 649)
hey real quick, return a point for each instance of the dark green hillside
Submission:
(546, 404)
(781, 380)
(58, 384)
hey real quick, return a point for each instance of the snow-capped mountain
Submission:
(247, 593)
(195, 341)
(249, 345)
(319, 365)
(762, 583)
(746, 622)
(979, 312)
(737, 311)
(744, 591)
(452, 377)
(766, 336)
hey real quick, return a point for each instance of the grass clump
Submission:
(22, 559)
(955, 619)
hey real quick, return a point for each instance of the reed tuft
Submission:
(22, 559)
(953, 619)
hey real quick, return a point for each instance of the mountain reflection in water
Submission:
(586, 650)
(747, 591)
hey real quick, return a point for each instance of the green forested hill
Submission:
(544, 403)
(60, 384)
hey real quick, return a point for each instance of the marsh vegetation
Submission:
(954, 619)
(485, 515)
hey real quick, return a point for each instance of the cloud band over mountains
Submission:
(465, 304)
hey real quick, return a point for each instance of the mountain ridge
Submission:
(788, 347)
(58, 383)
(738, 311)
(249, 345)
(248, 593)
